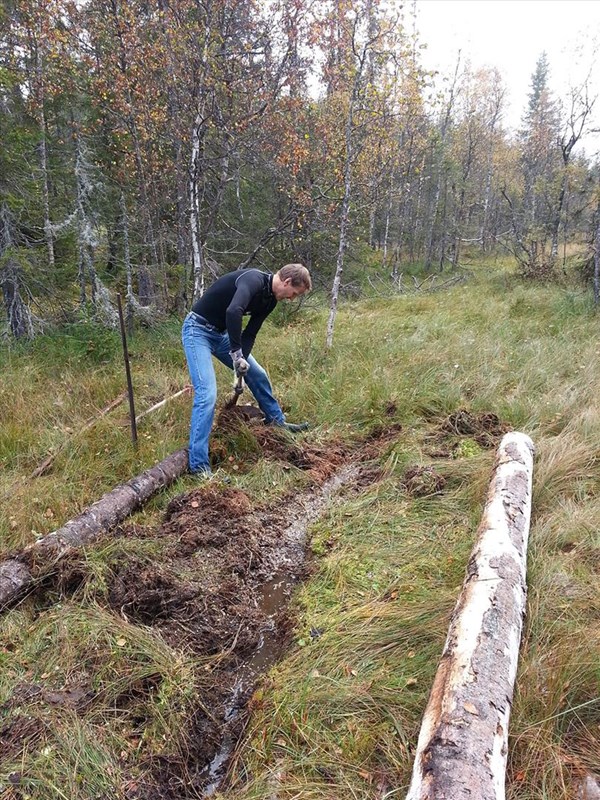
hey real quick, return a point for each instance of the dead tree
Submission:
(462, 747)
(581, 108)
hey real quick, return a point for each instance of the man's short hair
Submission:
(297, 274)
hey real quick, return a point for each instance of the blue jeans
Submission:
(200, 343)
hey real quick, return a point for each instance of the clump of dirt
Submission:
(242, 436)
(384, 433)
(486, 429)
(248, 413)
(423, 481)
(18, 734)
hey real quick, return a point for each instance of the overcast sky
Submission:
(511, 35)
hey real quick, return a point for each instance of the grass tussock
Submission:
(339, 716)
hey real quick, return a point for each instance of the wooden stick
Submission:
(185, 390)
(127, 373)
(49, 460)
(462, 747)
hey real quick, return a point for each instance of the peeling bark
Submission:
(17, 575)
(462, 746)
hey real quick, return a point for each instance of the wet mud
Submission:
(232, 566)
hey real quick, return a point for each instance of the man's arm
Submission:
(251, 329)
(247, 286)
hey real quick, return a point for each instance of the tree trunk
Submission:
(462, 747)
(11, 282)
(41, 99)
(18, 574)
(404, 206)
(557, 218)
(437, 174)
(415, 236)
(597, 259)
(339, 268)
(198, 266)
(432, 224)
(17, 312)
(388, 215)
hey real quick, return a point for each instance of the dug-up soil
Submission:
(485, 429)
(221, 594)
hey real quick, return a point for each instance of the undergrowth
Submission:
(339, 716)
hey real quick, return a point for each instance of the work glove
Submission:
(240, 365)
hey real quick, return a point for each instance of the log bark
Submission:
(589, 787)
(17, 575)
(462, 746)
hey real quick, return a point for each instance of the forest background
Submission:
(148, 148)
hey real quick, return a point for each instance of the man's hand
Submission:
(240, 365)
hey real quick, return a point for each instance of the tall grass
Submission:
(340, 714)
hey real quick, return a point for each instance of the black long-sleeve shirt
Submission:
(228, 299)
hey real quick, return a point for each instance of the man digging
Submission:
(214, 328)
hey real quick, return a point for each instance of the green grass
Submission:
(339, 716)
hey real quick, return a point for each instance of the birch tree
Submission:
(439, 145)
(369, 38)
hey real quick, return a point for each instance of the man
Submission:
(214, 327)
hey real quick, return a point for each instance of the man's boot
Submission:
(295, 427)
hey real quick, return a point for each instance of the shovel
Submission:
(238, 388)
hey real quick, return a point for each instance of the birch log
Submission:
(16, 575)
(462, 746)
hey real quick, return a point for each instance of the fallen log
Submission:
(16, 574)
(462, 747)
(589, 787)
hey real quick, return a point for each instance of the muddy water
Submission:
(273, 596)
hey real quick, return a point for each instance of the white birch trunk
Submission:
(597, 259)
(432, 236)
(198, 271)
(388, 214)
(417, 225)
(496, 112)
(462, 747)
(339, 268)
(48, 235)
(335, 289)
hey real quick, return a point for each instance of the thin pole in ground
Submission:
(134, 438)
